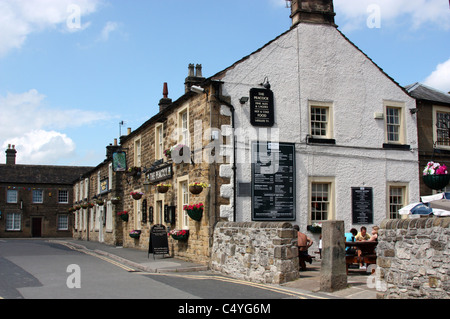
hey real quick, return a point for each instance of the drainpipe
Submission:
(218, 96)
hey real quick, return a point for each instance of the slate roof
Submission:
(420, 91)
(37, 174)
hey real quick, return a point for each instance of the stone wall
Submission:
(414, 258)
(261, 252)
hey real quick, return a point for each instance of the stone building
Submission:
(433, 125)
(97, 199)
(177, 147)
(35, 199)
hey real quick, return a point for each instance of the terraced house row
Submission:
(305, 129)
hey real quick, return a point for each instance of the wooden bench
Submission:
(367, 256)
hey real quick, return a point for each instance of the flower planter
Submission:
(99, 202)
(436, 182)
(135, 234)
(115, 201)
(195, 214)
(195, 189)
(124, 217)
(180, 235)
(314, 229)
(162, 189)
(136, 196)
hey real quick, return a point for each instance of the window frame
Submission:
(59, 223)
(14, 225)
(405, 192)
(159, 141)
(328, 107)
(184, 136)
(400, 106)
(63, 199)
(439, 109)
(37, 196)
(183, 216)
(330, 181)
(8, 196)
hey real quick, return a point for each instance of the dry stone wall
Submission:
(262, 252)
(414, 259)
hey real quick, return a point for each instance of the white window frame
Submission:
(12, 196)
(184, 136)
(330, 181)
(109, 219)
(328, 107)
(13, 222)
(62, 222)
(405, 198)
(159, 142)
(137, 152)
(183, 199)
(400, 106)
(137, 209)
(63, 196)
(436, 110)
(110, 176)
(37, 196)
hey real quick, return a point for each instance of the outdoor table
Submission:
(367, 256)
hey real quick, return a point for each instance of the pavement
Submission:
(359, 282)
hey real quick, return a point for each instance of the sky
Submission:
(72, 70)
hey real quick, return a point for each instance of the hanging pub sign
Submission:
(160, 174)
(273, 182)
(262, 108)
(119, 162)
(362, 205)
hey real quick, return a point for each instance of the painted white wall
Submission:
(316, 62)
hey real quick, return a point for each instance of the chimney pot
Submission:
(11, 155)
(129, 130)
(165, 101)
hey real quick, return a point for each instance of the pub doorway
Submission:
(36, 227)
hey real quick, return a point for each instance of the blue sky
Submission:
(71, 70)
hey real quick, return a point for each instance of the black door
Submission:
(36, 227)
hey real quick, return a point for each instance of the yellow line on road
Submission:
(299, 295)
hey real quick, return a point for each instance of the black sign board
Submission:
(261, 108)
(362, 205)
(159, 243)
(273, 182)
(160, 174)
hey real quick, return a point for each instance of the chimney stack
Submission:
(11, 155)
(165, 101)
(193, 79)
(312, 11)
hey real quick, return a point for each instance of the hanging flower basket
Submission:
(436, 176)
(180, 235)
(77, 207)
(163, 188)
(197, 188)
(123, 215)
(315, 228)
(115, 200)
(134, 171)
(136, 195)
(100, 202)
(135, 234)
(84, 205)
(195, 212)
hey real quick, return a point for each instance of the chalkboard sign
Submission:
(273, 182)
(158, 244)
(261, 108)
(362, 205)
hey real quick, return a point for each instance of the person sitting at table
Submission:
(350, 237)
(374, 236)
(362, 235)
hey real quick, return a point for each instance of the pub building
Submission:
(305, 129)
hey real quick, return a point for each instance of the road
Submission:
(40, 269)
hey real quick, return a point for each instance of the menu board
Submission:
(158, 244)
(273, 181)
(362, 205)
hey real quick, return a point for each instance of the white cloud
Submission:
(107, 29)
(34, 128)
(20, 18)
(354, 13)
(440, 78)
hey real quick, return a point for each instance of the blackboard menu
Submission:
(362, 205)
(273, 181)
(261, 108)
(159, 243)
